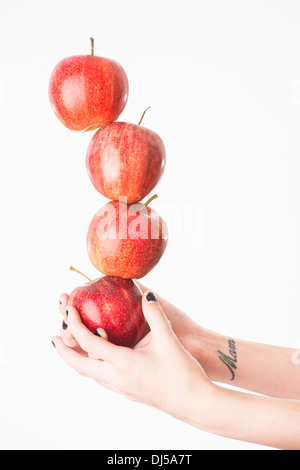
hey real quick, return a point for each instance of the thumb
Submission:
(155, 316)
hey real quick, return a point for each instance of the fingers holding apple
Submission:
(113, 305)
(63, 301)
(65, 333)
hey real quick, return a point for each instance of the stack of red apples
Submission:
(126, 237)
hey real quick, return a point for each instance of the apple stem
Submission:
(92, 46)
(143, 115)
(150, 200)
(155, 196)
(76, 270)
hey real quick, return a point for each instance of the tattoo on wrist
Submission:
(230, 359)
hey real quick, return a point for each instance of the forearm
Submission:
(265, 369)
(272, 422)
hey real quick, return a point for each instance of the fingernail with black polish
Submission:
(64, 325)
(150, 297)
(60, 302)
(53, 343)
(67, 313)
(97, 333)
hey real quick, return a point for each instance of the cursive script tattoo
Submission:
(230, 360)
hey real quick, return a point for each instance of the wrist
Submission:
(211, 346)
(213, 409)
(203, 401)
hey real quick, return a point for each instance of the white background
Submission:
(223, 83)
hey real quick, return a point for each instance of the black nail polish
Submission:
(64, 325)
(60, 302)
(150, 297)
(67, 313)
(97, 334)
(53, 343)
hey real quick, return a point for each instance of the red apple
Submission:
(114, 304)
(125, 160)
(126, 240)
(87, 91)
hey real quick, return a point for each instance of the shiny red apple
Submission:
(125, 160)
(126, 240)
(114, 304)
(87, 91)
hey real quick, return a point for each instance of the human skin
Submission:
(261, 368)
(147, 374)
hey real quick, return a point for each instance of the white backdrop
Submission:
(223, 83)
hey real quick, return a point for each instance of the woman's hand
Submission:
(159, 371)
(189, 333)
